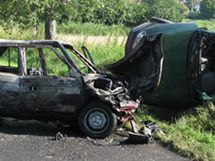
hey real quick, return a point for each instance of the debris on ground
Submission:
(100, 142)
(60, 136)
(132, 134)
(143, 135)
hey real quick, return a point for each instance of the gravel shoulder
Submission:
(36, 141)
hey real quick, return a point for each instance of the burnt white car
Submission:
(40, 80)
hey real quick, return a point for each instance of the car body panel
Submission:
(9, 91)
(173, 89)
(51, 93)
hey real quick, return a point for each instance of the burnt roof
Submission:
(30, 43)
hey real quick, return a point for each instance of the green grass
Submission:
(92, 29)
(191, 135)
(105, 54)
(20, 34)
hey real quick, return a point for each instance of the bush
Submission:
(124, 11)
(167, 9)
(207, 9)
(99, 11)
(136, 14)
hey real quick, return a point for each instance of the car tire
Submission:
(97, 120)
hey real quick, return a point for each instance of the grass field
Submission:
(192, 134)
(92, 29)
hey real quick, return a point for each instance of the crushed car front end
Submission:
(114, 93)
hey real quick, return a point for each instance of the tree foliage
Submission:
(124, 11)
(29, 12)
(167, 9)
(207, 8)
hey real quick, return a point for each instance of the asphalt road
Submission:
(35, 141)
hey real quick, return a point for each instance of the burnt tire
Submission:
(97, 120)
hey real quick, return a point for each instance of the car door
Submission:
(9, 81)
(45, 91)
(51, 94)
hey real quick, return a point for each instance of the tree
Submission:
(207, 8)
(102, 11)
(30, 12)
(167, 9)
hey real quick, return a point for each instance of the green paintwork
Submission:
(173, 88)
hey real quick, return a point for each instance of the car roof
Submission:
(30, 43)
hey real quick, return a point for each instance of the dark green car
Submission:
(169, 64)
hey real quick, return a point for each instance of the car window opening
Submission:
(8, 60)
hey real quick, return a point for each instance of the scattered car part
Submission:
(60, 136)
(137, 138)
(145, 134)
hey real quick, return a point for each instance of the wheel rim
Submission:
(97, 120)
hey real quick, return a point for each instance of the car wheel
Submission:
(97, 120)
